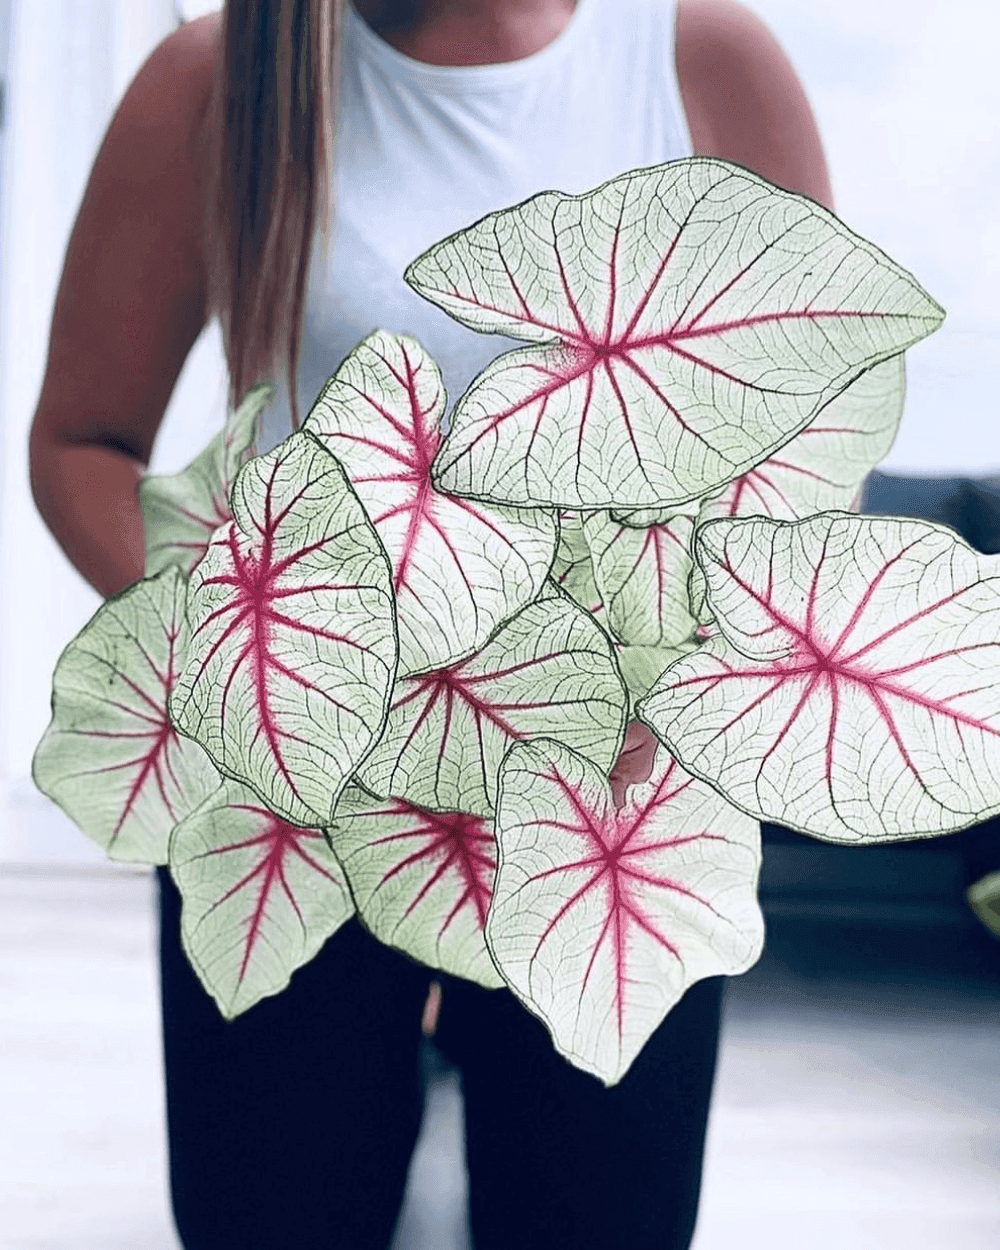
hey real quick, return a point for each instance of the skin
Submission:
(134, 295)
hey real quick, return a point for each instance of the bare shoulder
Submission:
(743, 99)
(163, 114)
(154, 147)
(722, 35)
(177, 75)
(719, 22)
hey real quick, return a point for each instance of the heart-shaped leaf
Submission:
(293, 645)
(687, 320)
(641, 575)
(459, 568)
(111, 758)
(260, 896)
(181, 511)
(640, 518)
(602, 917)
(572, 568)
(853, 692)
(548, 672)
(642, 667)
(822, 468)
(422, 880)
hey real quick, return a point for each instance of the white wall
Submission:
(70, 60)
(907, 96)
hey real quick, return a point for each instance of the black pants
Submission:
(291, 1127)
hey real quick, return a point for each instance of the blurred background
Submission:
(860, 1078)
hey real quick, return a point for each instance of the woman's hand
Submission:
(634, 762)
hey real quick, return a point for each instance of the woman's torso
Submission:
(425, 150)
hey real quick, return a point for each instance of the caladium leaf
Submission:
(853, 691)
(577, 581)
(572, 568)
(293, 644)
(260, 896)
(639, 518)
(697, 589)
(422, 880)
(822, 468)
(641, 576)
(602, 918)
(642, 667)
(181, 511)
(572, 546)
(686, 321)
(548, 672)
(111, 758)
(459, 568)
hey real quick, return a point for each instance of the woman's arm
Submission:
(743, 100)
(131, 303)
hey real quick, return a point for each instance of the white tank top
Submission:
(425, 150)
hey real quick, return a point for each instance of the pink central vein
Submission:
(610, 838)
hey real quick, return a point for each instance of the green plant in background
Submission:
(385, 671)
(984, 899)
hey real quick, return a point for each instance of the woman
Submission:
(293, 1126)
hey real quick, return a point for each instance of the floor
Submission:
(857, 1101)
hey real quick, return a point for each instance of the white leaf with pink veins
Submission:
(460, 568)
(685, 322)
(603, 917)
(852, 690)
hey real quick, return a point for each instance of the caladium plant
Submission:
(423, 879)
(247, 874)
(387, 671)
(293, 645)
(602, 916)
(685, 322)
(460, 569)
(847, 648)
(112, 757)
(550, 669)
(181, 511)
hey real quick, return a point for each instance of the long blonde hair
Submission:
(271, 130)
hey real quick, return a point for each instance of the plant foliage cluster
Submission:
(386, 671)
